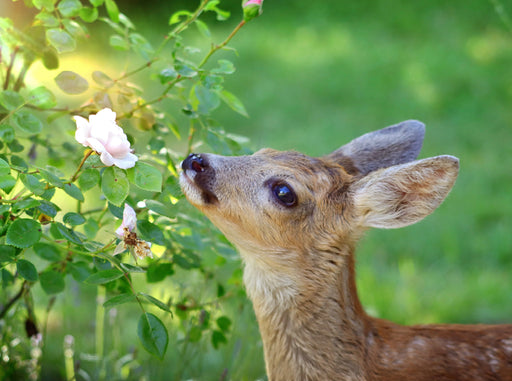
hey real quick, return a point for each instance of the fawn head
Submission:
(289, 213)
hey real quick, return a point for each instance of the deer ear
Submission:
(404, 194)
(397, 144)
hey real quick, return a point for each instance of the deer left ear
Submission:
(404, 194)
(397, 144)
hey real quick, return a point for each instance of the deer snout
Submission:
(195, 163)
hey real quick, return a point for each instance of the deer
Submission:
(296, 220)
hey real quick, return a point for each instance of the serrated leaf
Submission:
(119, 299)
(153, 334)
(52, 282)
(47, 252)
(27, 122)
(203, 28)
(150, 232)
(67, 233)
(119, 42)
(115, 185)
(225, 67)
(33, 184)
(48, 208)
(6, 133)
(23, 233)
(71, 82)
(160, 208)
(72, 190)
(51, 178)
(26, 270)
(145, 176)
(104, 276)
(60, 40)
(89, 179)
(7, 254)
(208, 100)
(156, 302)
(157, 272)
(79, 270)
(42, 97)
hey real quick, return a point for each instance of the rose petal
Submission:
(117, 146)
(129, 217)
(126, 162)
(82, 130)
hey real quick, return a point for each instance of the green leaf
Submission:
(7, 182)
(224, 323)
(157, 272)
(150, 232)
(69, 8)
(119, 299)
(46, 4)
(73, 191)
(145, 176)
(96, 3)
(167, 75)
(47, 19)
(6, 133)
(233, 102)
(161, 208)
(89, 179)
(47, 252)
(52, 282)
(176, 16)
(61, 40)
(11, 100)
(225, 67)
(79, 270)
(218, 338)
(208, 99)
(48, 208)
(23, 233)
(203, 28)
(26, 270)
(33, 184)
(115, 185)
(4, 167)
(141, 46)
(42, 97)
(27, 122)
(88, 14)
(91, 228)
(119, 42)
(51, 178)
(112, 10)
(50, 59)
(73, 219)
(7, 254)
(67, 233)
(71, 82)
(156, 302)
(153, 334)
(104, 276)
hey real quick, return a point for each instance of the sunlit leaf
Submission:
(112, 10)
(42, 97)
(145, 176)
(61, 40)
(27, 122)
(115, 185)
(11, 99)
(71, 82)
(104, 276)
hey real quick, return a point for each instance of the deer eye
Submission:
(284, 194)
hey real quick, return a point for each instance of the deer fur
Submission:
(299, 257)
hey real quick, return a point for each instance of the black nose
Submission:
(194, 162)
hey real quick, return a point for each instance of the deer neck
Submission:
(311, 321)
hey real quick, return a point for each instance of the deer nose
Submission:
(194, 162)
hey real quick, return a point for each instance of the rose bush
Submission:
(60, 206)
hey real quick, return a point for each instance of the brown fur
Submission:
(299, 259)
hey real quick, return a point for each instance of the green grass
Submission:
(314, 75)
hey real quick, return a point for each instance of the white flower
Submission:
(103, 135)
(128, 236)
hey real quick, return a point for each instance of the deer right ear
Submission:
(397, 144)
(404, 194)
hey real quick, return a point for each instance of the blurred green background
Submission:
(314, 75)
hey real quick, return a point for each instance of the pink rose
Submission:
(103, 135)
